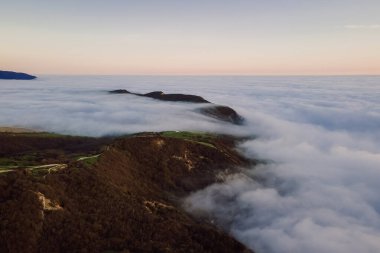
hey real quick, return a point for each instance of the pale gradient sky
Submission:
(260, 37)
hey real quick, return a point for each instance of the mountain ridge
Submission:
(219, 112)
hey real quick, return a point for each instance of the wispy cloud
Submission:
(373, 26)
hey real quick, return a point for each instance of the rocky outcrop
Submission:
(9, 75)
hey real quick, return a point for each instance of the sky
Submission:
(167, 37)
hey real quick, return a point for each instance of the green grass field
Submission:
(198, 137)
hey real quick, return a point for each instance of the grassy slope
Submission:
(42, 153)
(199, 137)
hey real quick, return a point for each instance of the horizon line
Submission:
(258, 75)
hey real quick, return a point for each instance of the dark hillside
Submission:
(125, 200)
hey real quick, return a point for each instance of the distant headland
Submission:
(219, 112)
(10, 75)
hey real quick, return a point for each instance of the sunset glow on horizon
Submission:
(275, 37)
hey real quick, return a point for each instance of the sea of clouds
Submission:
(318, 190)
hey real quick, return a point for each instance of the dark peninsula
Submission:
(10, 75)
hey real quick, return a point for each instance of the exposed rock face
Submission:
(128, 201)
(15, 75)
(219, 112)
(224, 113)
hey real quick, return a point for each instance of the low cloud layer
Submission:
(320, 138)
(317, 193)
(82, 106)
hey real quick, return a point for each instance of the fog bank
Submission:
(320, 138)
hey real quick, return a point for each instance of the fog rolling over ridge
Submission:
(318, 190)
